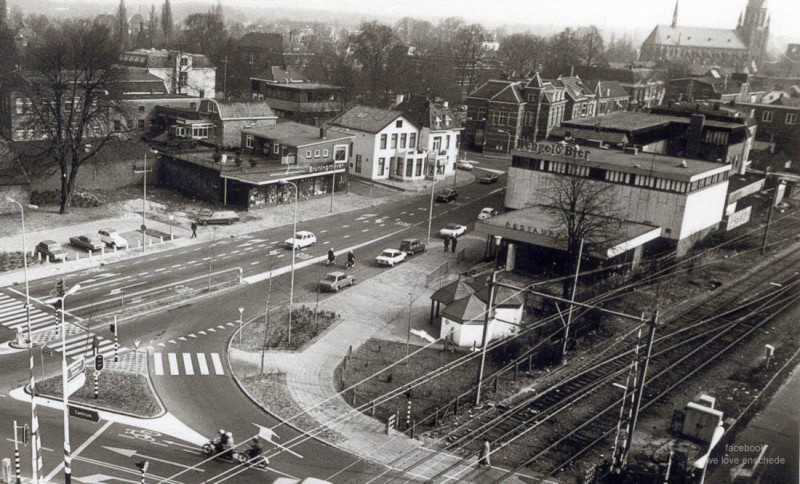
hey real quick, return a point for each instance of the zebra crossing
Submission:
(170, 364)
(14, 316)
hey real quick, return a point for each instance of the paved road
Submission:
(208, 399)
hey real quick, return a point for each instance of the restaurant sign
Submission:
(558, 149)
(536, 230)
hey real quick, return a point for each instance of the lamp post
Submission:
(294, 249)
(508, 143)
(486, 318)
(64, 381)
(241, 320)
(35, 462)
(144, 200)
(171, 219)
(408, 334)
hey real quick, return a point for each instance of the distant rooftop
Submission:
(292, 134)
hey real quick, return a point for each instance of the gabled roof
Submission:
(280, 75)
(244, 110)
(503, 297)
(535, 81)
(366, 118)
(491, 88)
(160, 58)
(452, 292)
(606, 89)
(293, 134)
(467, 310)
(695, 37)
(510, 94)
(575, 88)
(270, 42)
(426, 113)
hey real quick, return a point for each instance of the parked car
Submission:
(300, 240)
(226, 217)
(411, 246)
(390, 257)
(489, 178)
(333, 281)
(464, 165)
(447, 195)
(86, 242)
(453, 230)
(487, 212)
(112, 239)
(51, 249)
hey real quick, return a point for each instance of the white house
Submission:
(440, 131)
(182, 72)
(386, 144)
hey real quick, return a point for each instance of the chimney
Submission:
(694, 135)
(322, 132)
(399, 99)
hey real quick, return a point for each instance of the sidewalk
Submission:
(310, 373)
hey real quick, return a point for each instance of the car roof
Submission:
(304, 232)
(224, 213)
(390, 250)
(336, 273)
(410, 240)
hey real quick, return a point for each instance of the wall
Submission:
(103, 175)
(191, 180)
(364, 144)
(704, 209)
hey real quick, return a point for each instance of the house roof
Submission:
(574, 86)
(457, 289)
(290, 133)
(503, 296)
(281, 75)
(244, 110)
(588, 134)
(425, 113)
(606, 89)
(366, 118)
(467, 310)
(271, 42)
(160, 58)
(492, 88)
(695, 37)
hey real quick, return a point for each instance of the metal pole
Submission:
(572, 298)
(96, 386)
(123, 301)
(430, 212)
(64, 374)
(652, 322)
(333, 186)
(16, 455)
(294, 249)
(116, 340)
(485, 334)
(769, 220)
(408, 335)
(241, 320)
(144, 201)
(266, 322)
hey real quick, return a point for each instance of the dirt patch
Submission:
(273, 333)
(118, 391)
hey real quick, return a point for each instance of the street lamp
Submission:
(508, 144)
(35, 465)
(144, 200)
(64, 378)
(285, 182)
(486, 316)
(171, 219)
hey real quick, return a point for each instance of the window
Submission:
(481, 113)
(394, 141)
(503, 119)
(325, 153)
(199, 132)
(409, 167)
(340, 153)
(399, 123)
(317, 153)
(141, 124)
(19, 133)
(383, 141)
(493, 116)
(248, 141)
(276, 148)
(437, 143)
(528, 120)
(20, 105)
(358, 163)
(184, 61)
(183, 79)
(117, 125)
(398, 170)
(381, 166)
(791, 118)
(458, 139)
(141, 109)
(419, 168)
(447, 142)
(308, 153)
(766, 116)
(403, 140)
(412, 140)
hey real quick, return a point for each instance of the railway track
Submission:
(691, 338)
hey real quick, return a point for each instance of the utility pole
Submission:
(652, 322)
(772, 204)
(225, 78)
(486, 320)
(572, 297)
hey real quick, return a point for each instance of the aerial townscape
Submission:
(373, 242)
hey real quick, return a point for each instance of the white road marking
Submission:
(323, 231)
(175, 266)
(212, 330)
(80, 449)
(365, 230)
(173, 364)
(202, 332)
(346, 237)
(254, 263)
(158, 365)
(193, 335)
(202, 364)
(345, 226)
(326, 242)
(217, 362)
(159, 270)
(187, 363)
(142, 274)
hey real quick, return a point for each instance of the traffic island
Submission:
(272, 333)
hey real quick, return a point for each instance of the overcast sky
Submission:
(639, 15)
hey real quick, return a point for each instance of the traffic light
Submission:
(98, 362)
(26, 433)
(60, 288)
(113, 328)
(143, 465)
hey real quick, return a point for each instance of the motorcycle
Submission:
(210, 449)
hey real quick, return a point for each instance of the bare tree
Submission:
(71, 107)
(468, 46)
(167, 23)
(586, 212)
(522, 53)
(123, 29)
(373, 48)
(152, 26)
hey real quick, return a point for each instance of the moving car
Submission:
(112, 239)
(464, 165)
(300, 240)
(489, 178)
(487, 212)
(452, 230)
(390, 257)
(226, 217)
(51, 249)
(447, 195)
(86, 242)
(333, 281)
(412, 246)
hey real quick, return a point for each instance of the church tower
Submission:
(753, 29)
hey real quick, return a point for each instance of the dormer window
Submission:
(447, 121)
(184, 61)
(438, 121)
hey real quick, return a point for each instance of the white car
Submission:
(452, 230)
(112, 239)
(464, 165)
(300, 240)
(390, 257)
(487, 212)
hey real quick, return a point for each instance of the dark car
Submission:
(224, 217)
(490, 178)
(412, 246)
(87, 242)
(447, 195)
(51, 249)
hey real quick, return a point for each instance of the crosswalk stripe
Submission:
(158, 365)
(187, 363)
(202, 364)
(215, 359)
(173, 364)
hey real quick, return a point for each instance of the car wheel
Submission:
(113, 245)
(391, 265)
(336, 289)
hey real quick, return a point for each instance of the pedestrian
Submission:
(194, 230)
(446, 244)
(485, 459)
(453, 244)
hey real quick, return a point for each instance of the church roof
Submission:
(695, 37)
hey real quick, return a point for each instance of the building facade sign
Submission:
(558, 149)
(536, 230)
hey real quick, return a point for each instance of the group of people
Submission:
(351, 258)
(223, 444)
(450, 242)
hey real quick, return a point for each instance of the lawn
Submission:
(119, 391)
(305, 327)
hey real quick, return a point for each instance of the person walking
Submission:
(446, 244)
(485, 459)
(194, 230)
(453, 244)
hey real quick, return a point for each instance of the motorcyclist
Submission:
(218, 441)
(351, 259)
(227, 445)
(255, 450)
(331, 256)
